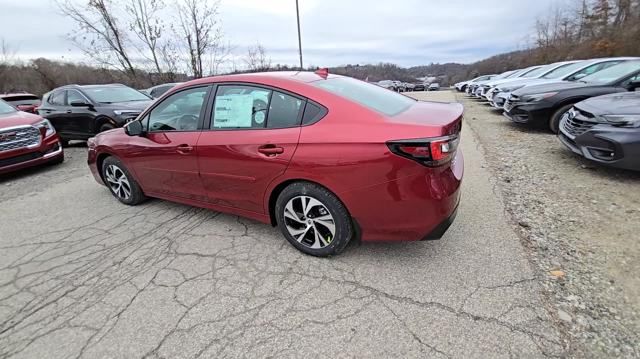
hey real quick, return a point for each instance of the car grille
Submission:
(19, 137)
(578, 123)
(19, 159)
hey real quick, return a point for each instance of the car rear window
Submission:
(371, 96)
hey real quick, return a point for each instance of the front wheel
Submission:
(313, 219)
(554, 122)
(106, 127)
(120, 182)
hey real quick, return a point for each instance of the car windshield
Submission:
(371, 96)
(612, 73)
(564, 71)
(110, 94)
(526, 72)
(539, 71)
(508, 75)
(6, 108)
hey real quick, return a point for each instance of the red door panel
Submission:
(166, 162)
(236, 166)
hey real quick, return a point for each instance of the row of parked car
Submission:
(592, 105)
(33, 131)
(400, 86)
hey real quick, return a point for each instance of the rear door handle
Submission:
(270, 150)
(184, 149)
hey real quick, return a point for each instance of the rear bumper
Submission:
(413, 208)
(50, 150)
(611, 146)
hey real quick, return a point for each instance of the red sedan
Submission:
(26, 140)
(325, 158)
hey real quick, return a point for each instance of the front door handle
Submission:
(69, 111)
(270, 150)
(184, 149)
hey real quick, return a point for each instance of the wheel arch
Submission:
(101, 120)
(281, 185)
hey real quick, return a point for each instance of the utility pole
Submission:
(299, 37)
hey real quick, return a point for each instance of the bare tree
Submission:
(146, 23)
(200, 30)
(257, 59)
(100, 36)
(219, 55)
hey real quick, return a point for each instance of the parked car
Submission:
(22, 101)
(484, 88)
(319, 161)
(531, 76)
(473, 87)
(409, 86)
(159, 90)
(79, 112)
(400, 87)
(544, 105)
(434, 87)
(26, 140)
(419, 86)
(605, 129)
(462, 86)
(572, 72)
(388, 84)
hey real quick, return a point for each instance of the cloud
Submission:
(334, 32)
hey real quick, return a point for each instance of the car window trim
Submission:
(146, 115)
(209, 118)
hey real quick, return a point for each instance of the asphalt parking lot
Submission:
(83, 276)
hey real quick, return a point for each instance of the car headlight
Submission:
(623, 120)
(538, 97)
(45, 127)
(126, 113)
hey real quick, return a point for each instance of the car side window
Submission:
(57, 98)
(240, 107)
(73, 95)
(284, 111)
(178, 112)
(592, 69)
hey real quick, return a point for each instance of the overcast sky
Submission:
(334, 32)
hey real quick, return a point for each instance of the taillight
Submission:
(427, 151)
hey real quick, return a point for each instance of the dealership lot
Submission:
(83, 275)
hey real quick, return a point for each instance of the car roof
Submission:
(283, 76)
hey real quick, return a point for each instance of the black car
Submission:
(544, 105)
(419, 86)
(79, 112)
(605, 129)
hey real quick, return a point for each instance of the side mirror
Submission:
(79, 103)
(633, 85)
(133, 128)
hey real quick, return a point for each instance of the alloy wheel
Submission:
(309, 222)
(118, 182)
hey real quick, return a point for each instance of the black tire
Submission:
(554, 121)
(106, 127)
(329, 202)
(136, 195)
(58, 160)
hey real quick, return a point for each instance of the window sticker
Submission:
(233, 111)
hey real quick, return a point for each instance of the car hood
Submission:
(133, 105)
(625, 103)
(525, 82)
(18, 118)
(550, 87)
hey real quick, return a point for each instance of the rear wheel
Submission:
(120, 182)
(554, 122)
(313, 219)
